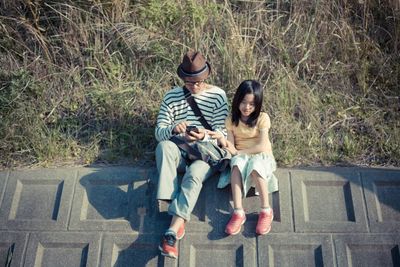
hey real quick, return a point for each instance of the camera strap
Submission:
(196, 110)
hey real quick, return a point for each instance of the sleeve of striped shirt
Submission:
(220, 113)
(212, 103)
(165, 123)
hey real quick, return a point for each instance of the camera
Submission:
(192, 128)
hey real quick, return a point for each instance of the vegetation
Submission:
(81, 80)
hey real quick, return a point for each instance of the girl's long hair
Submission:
(247, 87)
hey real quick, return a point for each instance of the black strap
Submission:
(197, 112)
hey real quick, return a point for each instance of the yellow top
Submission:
(246, 137)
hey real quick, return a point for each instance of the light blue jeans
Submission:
(184, 197)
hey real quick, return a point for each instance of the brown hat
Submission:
(194, 67)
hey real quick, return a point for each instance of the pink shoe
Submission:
(181, 232)
(264, 222)
(235, 223)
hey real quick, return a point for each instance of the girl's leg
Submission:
(262, 189)
(238, 217)
(236, 186)
(266, 214)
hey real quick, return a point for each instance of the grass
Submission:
(83, 80)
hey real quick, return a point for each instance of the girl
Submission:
(253, 163)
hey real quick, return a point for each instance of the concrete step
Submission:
(108, 216)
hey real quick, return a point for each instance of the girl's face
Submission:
(247, 106)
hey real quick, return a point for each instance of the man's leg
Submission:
(192, 182)
(169, 161)
(183, 204)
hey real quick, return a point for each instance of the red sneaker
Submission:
(168, 246)
(235, 223)
(181, 232)
(264, 222)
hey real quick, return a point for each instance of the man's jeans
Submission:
(184, 197)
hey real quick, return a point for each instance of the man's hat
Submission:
(194, 67)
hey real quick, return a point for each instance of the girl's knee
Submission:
(235, 170)
(236, 176)
(255, 175)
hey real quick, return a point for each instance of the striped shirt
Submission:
(174, 109)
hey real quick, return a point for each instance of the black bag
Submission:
(217, 157)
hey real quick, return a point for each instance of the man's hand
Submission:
(180, 127)
(193, 136)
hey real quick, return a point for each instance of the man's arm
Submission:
(220, 113)
(165, 123)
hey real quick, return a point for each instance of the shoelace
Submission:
(170, 240)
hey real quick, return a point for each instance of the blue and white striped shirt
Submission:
(174, 109)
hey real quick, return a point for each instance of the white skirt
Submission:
(264, 164)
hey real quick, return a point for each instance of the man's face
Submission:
(195, 87)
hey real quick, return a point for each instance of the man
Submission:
(174, 117)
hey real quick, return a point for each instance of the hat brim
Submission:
(194, 78)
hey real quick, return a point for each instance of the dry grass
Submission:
(83, 80)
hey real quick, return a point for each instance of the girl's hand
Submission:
(216, 135)
(231, 148)
(219, 137)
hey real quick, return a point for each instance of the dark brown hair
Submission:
(247, 87)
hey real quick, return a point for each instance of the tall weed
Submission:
(83, 80)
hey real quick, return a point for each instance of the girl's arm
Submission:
(230, 143)
(224, 142)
